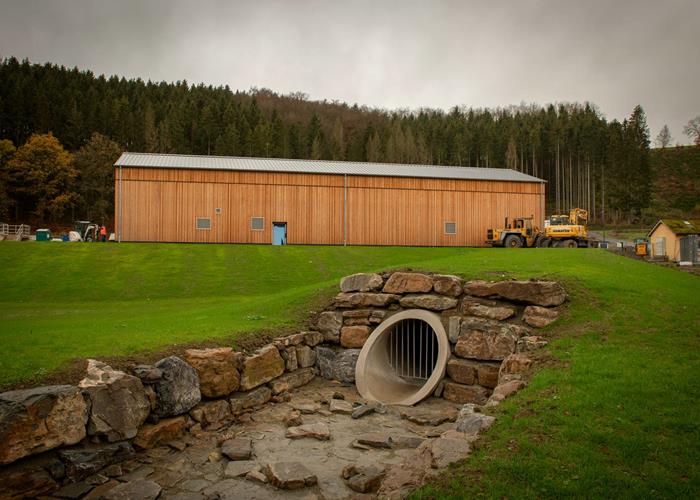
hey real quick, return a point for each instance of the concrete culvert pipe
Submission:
(404, 359)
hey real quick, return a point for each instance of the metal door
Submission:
(279, 233)
(689, 249)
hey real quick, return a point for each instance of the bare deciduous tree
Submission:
(692, 130)
(664, 139)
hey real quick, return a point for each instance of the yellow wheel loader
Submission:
(520, 233)
(566, 231)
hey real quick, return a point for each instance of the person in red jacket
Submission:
(103, 233)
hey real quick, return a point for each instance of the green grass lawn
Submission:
(615, 414)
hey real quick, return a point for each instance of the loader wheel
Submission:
(544, 242)
(513, 241)
(569, 244)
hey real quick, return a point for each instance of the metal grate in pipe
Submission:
(412, 349)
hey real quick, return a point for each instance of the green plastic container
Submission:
(43, 235)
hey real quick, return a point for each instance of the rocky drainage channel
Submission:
(222, 424)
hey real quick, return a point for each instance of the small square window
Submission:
(450, 228)
(257, 223)
(203, 223)
(217, 211)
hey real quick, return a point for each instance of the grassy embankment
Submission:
(615, 413)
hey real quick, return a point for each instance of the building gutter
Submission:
(345, 210)
(121, 211)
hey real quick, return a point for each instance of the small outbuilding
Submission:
(675, 239)
(209, 199)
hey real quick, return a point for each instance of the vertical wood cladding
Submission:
(163, 205)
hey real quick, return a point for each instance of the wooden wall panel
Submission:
(162, 205)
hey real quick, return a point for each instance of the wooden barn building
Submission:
(207, 199)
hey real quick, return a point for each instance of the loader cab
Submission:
(559, 220)
(523, 225)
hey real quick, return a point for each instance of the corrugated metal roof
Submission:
(151, 160)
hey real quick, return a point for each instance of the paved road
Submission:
(599, 235)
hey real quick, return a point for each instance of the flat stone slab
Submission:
(363, 479)
(340, 406)
(446, 450)
(429, 417)
(317, 430)
(289, 475)
(240, 468)
(366, 409)
(238, 448)
(140, 489)
(306, 407)
(376, 440)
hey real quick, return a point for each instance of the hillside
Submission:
(676, 186)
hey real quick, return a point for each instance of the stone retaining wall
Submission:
(110, 412)
(486, 322)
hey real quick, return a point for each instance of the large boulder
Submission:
(40, 419)
(217, 370)
(312, 339)
(211, 414)
(329, 324)
(494, 312)
(289, 355)
(454, 324)
(487, 374)
(448, 285)
(477, 344)
(306, 356)
(408, 283)
(177, 391)
(83, 462)
(292, 380)
(365, 299)
(261, 367)
(460, 393)
(472, 422)
(490, 326)
(539, 293)
(353, 337)
(505, 390)
(119, 405)
(361, 282)
(337, 365)
(152, 435)
(514, 367)
(539, 317)
(462, 371)
(531, 343)
(363, 316)
(429, 301)
(242, 401)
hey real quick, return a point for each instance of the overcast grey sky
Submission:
(391, 54)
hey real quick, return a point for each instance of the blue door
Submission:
(279, 233)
